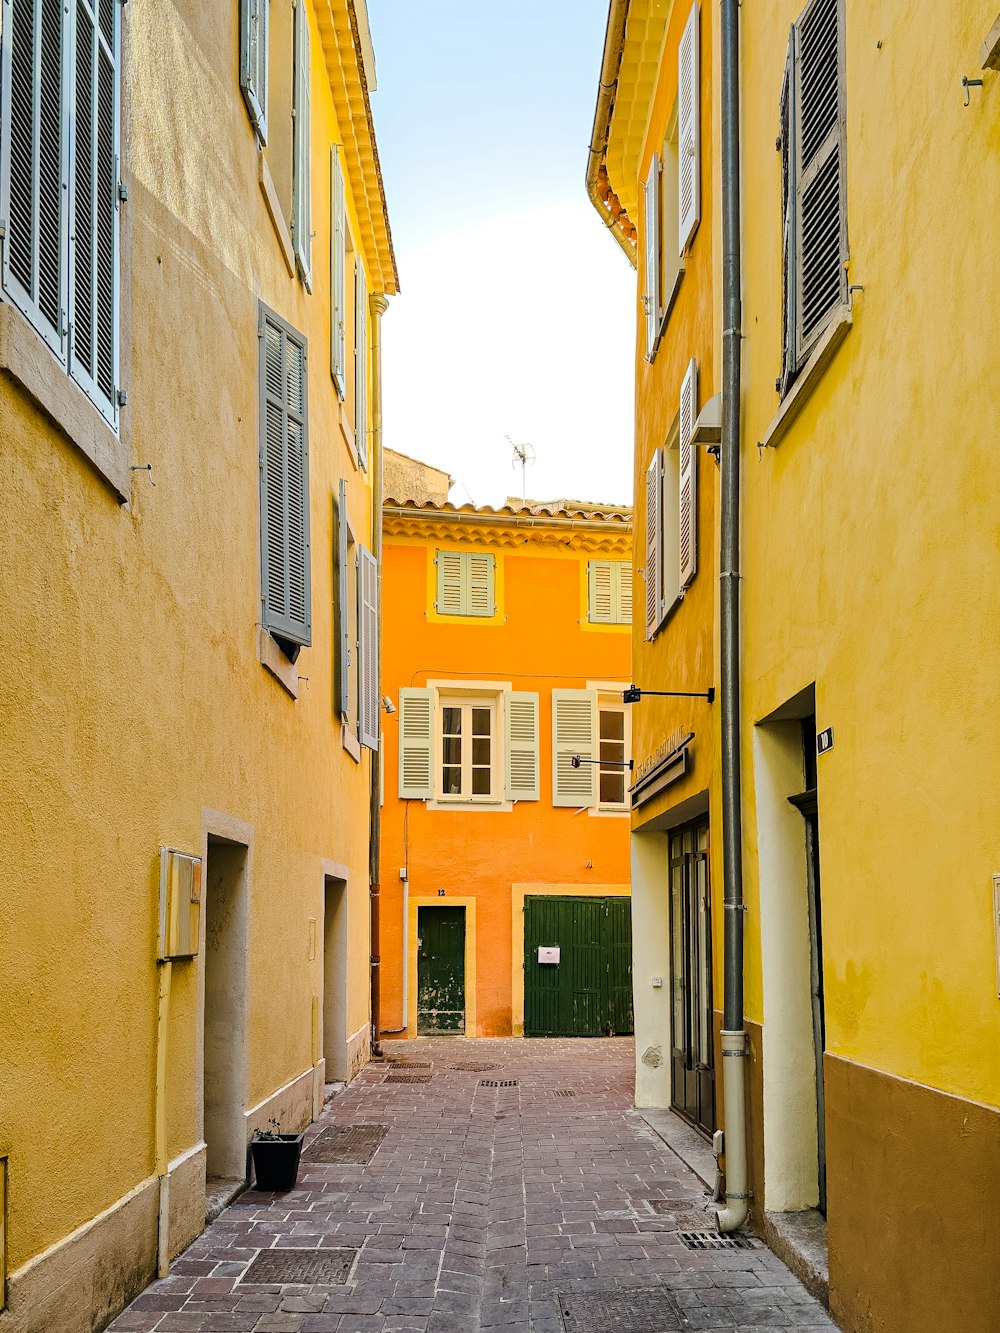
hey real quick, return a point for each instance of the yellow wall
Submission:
(871, 541)
(130, 687)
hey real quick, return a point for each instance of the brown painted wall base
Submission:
(913, 1179)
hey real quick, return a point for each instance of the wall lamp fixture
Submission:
(387, 705)
(577, 759)
(633, 694)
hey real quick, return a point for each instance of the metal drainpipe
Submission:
(378, 306)
(614, 44)
(734, 1038)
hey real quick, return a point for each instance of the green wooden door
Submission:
(588, 993)
(440, 970)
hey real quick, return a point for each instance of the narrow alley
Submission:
(474, 1185)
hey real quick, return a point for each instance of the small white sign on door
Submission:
(548, 953)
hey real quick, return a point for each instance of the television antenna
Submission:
(524, 456)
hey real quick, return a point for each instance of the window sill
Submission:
(350, 742)
(272, 659)
(25, 358)
(609, 812)
(809, 376)
(484, 807)
(267, 189)
(668, 615)
(347, 435)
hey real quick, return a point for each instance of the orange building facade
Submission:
(505, 864)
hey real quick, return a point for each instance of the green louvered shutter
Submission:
(284, 485)
(624, 594)
(338, 258)
(361, 363)
(450, 577)
(600, 591)
(416, 744)
(253, 62)
(301, 161)
(574, 730)
(522, 749)
(480, 597)
(368, 672)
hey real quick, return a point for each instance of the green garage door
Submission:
(588, 992)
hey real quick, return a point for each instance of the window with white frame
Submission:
(614, 752)
(609, 592)
(591, 743)
(468, 749)
(672, 511)
(59, 182)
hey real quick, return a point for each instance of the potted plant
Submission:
(275, 1158)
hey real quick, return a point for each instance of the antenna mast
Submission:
(524, 456)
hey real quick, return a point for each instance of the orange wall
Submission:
(540, 645)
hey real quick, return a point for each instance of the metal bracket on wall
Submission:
(968, 83)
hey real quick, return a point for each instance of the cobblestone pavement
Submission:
(514, 1190)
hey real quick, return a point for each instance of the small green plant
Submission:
(271, 1135)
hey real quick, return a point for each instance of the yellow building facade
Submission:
(194, 264)
(868, 741)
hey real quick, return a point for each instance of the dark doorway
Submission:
(225, 1057)
(440, 970)
(693, 1044)
(588, 991)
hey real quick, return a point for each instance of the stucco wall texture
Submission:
(130, 687)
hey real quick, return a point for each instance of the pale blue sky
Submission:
(517, 312)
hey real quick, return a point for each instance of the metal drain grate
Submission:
(407, 1078)
(347, 1144)
(410, 1064)
(564, 1092)
(302, 1267)
(473, 1068)
(498, 1082)
(713, 1240)
(642, 1310)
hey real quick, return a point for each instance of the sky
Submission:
(516, 313)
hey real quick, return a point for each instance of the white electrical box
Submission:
(657, 982)
(548, 953)
(180, 904)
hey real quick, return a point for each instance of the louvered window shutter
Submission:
(688, 468)
(301, 161)
(654, 544)
(361, 363)
(574, 727)
(338, 240)
(284, 481)
(450, 572)
(466, 582)
(624, 598)
(93, 287)
(368, 673)
(521, 718)
(343, 608)
(253, 62)
(651, 223)
(601, 593)
(481, 583)
(818, 116)
(416, 744)
(688, 130)
(786, 140)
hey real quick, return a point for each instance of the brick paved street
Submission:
(546, 1206)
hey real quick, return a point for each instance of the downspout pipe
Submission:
(614, 44)
(378, 306)
(734, 1037)
(165, 971)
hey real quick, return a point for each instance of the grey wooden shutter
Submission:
(651, 225)
(343, 608)
(688, 130)
(818, 117)
(786, 145)
(301, 160)
(416, 744)
(338, 258)
(574, 730)
(368, 672)
(623, 604)
(688, 466)
(521, 727)
(253, 62)
(284, 484)
(654, 544)
(451, 571)
(480, 597)
(34, 163)
(600, 592)
(94, 271)
(361, 363)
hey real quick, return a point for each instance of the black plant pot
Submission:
(276, 1162)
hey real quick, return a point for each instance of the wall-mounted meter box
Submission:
(548, 953)
(180, 904)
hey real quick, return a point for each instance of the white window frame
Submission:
(492, 692)
(466, 704)
(609, 700)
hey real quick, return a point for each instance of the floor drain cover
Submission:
(712, 1240)
(498, 1082)
(410, 1064)
(407, 1078)
(302, 1267)
(347, 1144)
(473, 1068)
(643, 1310)
(565, 1092)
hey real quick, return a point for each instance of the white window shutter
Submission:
(654, 544)
(451, 572)
(253, 62)
(820, 234)
(688, 466)
(688, 130)
(624, 598)
(601, 592)
(574, 729)
(301, 159)
(343, 605)
(481, 600)
(338, 259)
(522, 757)
(361, 363)
(786, 136)
(651, 225)
(368, 672)
(416, 744)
